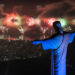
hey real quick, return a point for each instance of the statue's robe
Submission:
(58, 45)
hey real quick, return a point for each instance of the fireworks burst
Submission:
(12, 20)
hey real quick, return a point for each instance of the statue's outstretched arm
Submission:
(48, 43)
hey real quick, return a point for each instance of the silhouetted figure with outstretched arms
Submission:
(58, 44)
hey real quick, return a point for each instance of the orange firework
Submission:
(12, 20)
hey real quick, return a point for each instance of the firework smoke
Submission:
(58, 9)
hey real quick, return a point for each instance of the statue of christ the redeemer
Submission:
(58, 44)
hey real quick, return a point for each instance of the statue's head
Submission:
(57, 27)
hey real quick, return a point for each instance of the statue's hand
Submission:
(36, 42)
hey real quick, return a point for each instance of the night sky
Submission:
(30, 7)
